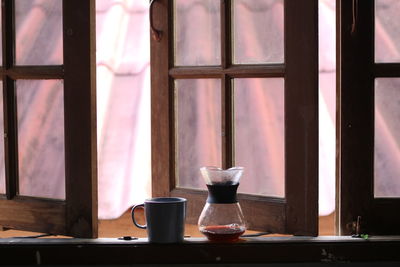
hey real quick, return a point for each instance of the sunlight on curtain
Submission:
(327, 106)
(123, 105)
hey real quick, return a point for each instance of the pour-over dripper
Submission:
(214, 175)
(222, 218)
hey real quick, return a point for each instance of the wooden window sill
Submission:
(198, 250)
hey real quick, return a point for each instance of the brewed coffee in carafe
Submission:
(222, 218)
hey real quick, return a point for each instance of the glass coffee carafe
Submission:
(222, 218)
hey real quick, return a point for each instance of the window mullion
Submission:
(8, 33)
(227, 122)
(226, 36)
(386, 69)
(10, 120)
(11, 141)
(226, 86)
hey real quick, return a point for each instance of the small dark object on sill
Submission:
(127, 238)
(34, 236)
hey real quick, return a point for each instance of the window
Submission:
(227, 82)
(205, 74)
(49, 117)
(369, 106)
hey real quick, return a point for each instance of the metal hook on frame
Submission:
(355, 15)
(156, 34)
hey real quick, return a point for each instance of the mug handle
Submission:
(133, 216)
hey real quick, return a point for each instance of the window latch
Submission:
(356, 229)
(356, 226)
(156, 34)
(355, 17)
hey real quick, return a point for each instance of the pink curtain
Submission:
(123, 105)
(123, 91)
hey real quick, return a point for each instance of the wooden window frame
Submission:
(297, 213)
(77, 214)
(356, 124)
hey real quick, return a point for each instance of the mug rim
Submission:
(165, 200)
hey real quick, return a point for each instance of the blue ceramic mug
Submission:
(165, 219)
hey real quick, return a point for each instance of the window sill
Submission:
(197, 250)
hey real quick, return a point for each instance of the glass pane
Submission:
(39, 38)
(198, 111)
(259, 135)
(2, 162)
(257, 31)
(197, 32)
(40, 110)
(387, 138)
(387, 31)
